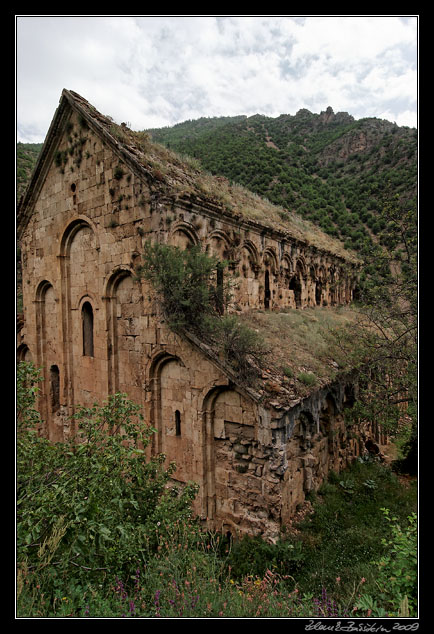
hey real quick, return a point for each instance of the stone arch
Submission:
(301, 267)
(249, 258)
(248, 275)
(48, 349)
(296, 283)
(285, 265)
(320, 281)
(285, 279)
(219, 244)
(183, 235)
(24, 353)
(228, 420)
(172, 413)
(70, 230)
(124, 309)
(80, 282)
(333, 286)
(269, 259)
(268, 275)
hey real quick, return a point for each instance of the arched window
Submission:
(87, 319)
(178, 422)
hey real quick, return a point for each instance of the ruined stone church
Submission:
(98, 193)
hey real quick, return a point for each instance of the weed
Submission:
(307, 378)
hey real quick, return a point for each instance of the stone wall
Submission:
(95, 329)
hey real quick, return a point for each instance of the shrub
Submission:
(241, 346)
(193, 298)
(118, 173)
(396, 573)
(185, 282)
(254, 556)
(307, 378)
(95, 505)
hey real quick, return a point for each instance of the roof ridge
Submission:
(168, 170)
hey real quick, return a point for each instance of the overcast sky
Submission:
(154, 71)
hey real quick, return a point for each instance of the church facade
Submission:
(96, 196)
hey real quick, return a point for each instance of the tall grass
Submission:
(325, 569)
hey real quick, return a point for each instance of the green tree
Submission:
(386, 333)
(193, 293)
(96, 504)
(188, 284)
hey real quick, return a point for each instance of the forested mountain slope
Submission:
(27, 155)
(330, 168)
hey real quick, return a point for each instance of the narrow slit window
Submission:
(54, 388)
(178, 422)
(267, 296)
(87, 318)
(220, 291)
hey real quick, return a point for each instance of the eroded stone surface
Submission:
(95, 329)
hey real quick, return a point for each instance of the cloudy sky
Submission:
(154, 71)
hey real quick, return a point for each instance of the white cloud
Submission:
(158, 70)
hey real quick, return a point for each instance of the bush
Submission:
(185, 282)
(252, 556)
(96, 505)
(307, 378)
(397, 572)
(241, 346)
(193, 297)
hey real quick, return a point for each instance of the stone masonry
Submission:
(95, 329)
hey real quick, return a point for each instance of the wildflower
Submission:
(362, 580)
(338, 579)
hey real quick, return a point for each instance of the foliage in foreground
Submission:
(99, 534)
(95, 504)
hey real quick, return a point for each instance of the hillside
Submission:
(27, 155)
(330, 168)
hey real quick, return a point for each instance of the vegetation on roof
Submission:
(184, 176)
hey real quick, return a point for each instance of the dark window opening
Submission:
(267, 295)
(318, 293)
(87, 318)
(178, 422)
(350, 397)
(295, 285)
(219, 290)
(54, 388)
